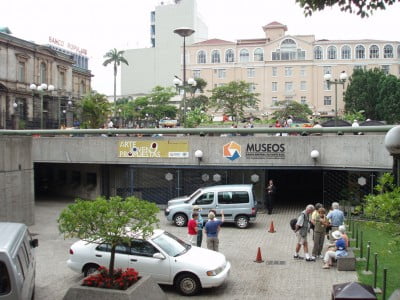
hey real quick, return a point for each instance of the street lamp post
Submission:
(16, 115)
(41, 89)
(342, 79)
(184, 32)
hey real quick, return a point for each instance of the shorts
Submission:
(301, 239)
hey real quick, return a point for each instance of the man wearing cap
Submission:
(211, 229)
(197, 209)
(338, 251)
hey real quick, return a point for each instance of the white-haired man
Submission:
(335, 217)
(301, 230)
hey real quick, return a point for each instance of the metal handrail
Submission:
(202, 131)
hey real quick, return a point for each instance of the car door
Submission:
(142, 260)
(103, 255)
(206, 201)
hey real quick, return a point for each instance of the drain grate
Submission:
(275, 262)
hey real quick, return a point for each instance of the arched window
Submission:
(288, 43)
(229, 56)
(346, 52)
(258, 54)
(332, 52)
(215, 57)
(43, 73)
(388, 51)
(318, 54)
(360, 52)
(201, 57)
(374, 51)
(398, 51)
(244, 55)
(82, 88)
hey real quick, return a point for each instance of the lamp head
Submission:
(343, 76)
(199, 155)
(33, 87)
(314, 154)
(15, 105)
(184, 31)
(327, 77)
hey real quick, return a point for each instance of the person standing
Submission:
(200, 221)
(336, 217)
(270, 196)
(301, 230)
(192, 228)
(320, 223)
(212, 229)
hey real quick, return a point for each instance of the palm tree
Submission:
(116, 57)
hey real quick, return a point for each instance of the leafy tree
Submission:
(388, 107)
(158, 103)
(363, 8)
(115, 57)
(94, 109)
(354, 115)
(195, 117)
(233, 98)
(291, 108)
(110, 221)
(362, 93)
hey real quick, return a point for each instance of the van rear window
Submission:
(5, 286)
(233, 197)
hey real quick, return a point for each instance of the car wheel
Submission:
(188, 284)
(242, 221)
(180, 220)
(90, 269)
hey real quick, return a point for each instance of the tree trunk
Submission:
(112, 261)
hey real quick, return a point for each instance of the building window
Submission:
(398, 51)
(386, 69)
(258, 54)
(252, 87)
(21, 71)
(303, 100)
(244, 55)
(288, 71)
(327, 100)
(303, 85)
(61, 80)
(229, 56)
(388, 51)
(303, 71)
(346, 52)
(201, 57)
(274, 86)
(215, 57)
(82, 88)
(221, 73)
(196, 74)
(43, 73)
(357, 67)
(318, 54)
(374, 51)
(274, 71)
(288, 87)
(331, 52)
(327, 70)
(274, 101)
(360, 52)
(251, 72)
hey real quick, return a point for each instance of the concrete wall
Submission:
(16, 180)
(343, 152)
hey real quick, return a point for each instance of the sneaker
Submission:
(297, 257)
(325, 266)
(321, 256)
(312, 258)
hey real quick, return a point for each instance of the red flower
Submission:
(120, 280)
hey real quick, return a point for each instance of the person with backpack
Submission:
(301, 229)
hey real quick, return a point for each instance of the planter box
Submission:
(145, 288)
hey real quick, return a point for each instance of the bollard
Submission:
(357, 236)
(361, 257)
(384, 284)
(376, 289)
(367, 271)
(352, 229)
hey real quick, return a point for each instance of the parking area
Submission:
(278, 277)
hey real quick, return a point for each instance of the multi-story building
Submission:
(24, 67)
(157, 65)
(283, 67)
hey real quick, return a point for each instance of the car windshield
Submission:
(172, 245)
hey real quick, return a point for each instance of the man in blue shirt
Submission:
(211, 229)
(336, 217)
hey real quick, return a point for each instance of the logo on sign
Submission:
(232, 151)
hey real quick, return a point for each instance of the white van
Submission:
(17, 262)
(236, 200)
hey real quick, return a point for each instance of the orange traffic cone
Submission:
(271, 227)
(259, 258)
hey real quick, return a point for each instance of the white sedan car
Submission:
(168, 259)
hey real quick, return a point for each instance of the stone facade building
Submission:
(25, 103)
(283, 67)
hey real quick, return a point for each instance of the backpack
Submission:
(293, 223)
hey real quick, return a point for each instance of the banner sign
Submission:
(153, 149)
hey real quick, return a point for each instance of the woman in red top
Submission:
(192, 228)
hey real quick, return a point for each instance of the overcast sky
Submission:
(100, 25)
